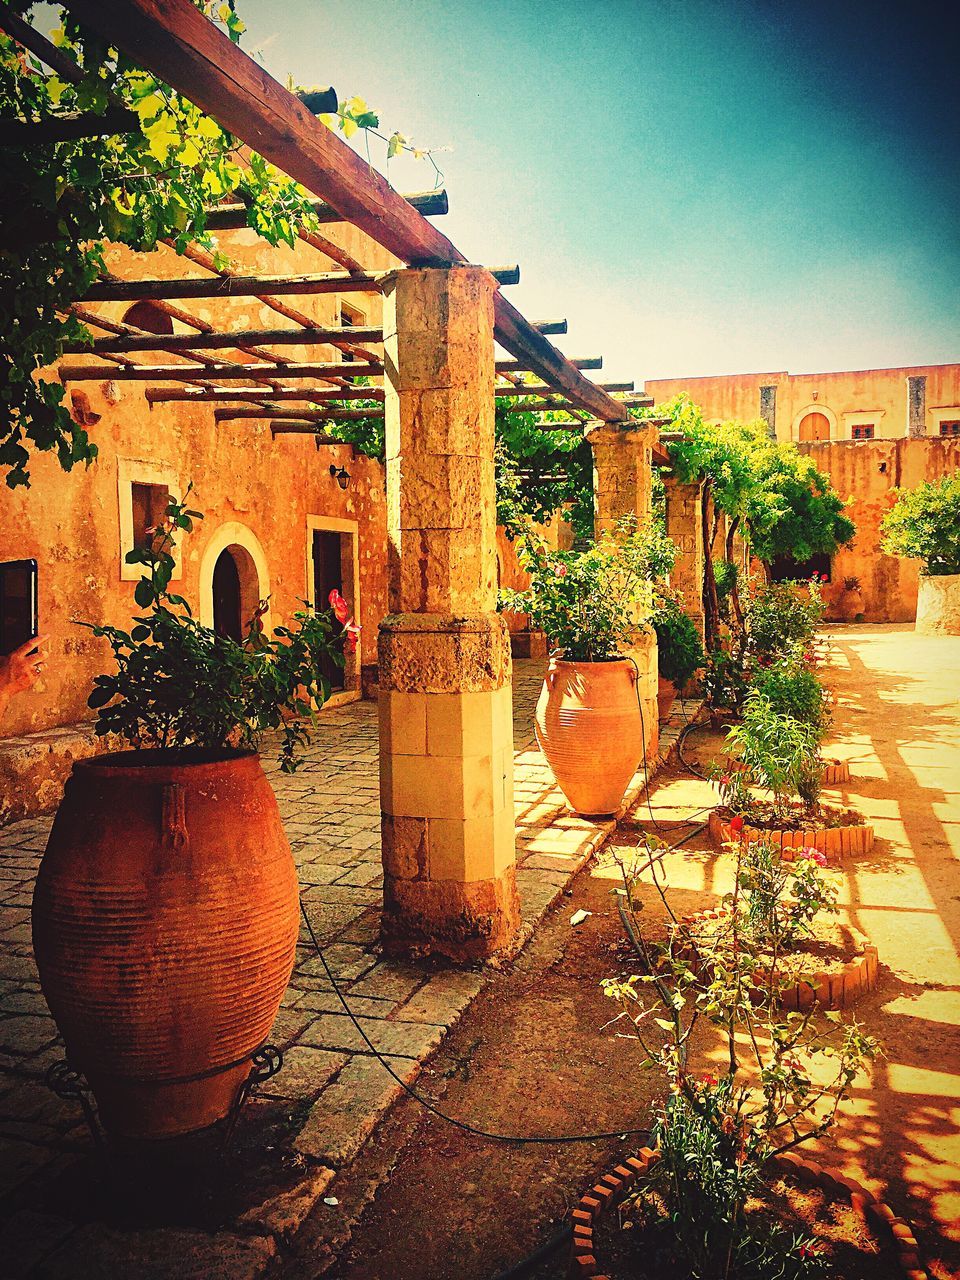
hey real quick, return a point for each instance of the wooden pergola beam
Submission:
(69, 126)
(238, 286)
(270, 410)
(253, 372)
(581, 362)
(240, 395)
(216, 369)
(160, 395)
(173, 39)
(214, 341)
(233, 217)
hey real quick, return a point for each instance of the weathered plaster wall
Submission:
(866, 473)
(71, 522)
(877, 395)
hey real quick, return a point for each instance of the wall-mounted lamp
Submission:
(340, 474)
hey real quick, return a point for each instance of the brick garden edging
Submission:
(835, 843)
(831, 990)
(611, 1188)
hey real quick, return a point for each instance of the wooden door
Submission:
(327, 577)
(815, 426)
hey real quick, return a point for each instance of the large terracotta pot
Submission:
(849, 604)
(589, 727)
(165, 919)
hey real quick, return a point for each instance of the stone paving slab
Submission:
(332, 1090)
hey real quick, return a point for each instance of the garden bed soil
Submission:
(833, 966)
(853, 1247)
(836, 833)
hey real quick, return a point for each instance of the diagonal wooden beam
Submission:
(176, 42)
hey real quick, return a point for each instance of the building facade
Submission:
(871, 431)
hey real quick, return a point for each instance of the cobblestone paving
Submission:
(331, 813)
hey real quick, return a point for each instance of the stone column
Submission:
(917, 406)
(623, 486)
(683, 526)
(446, 726)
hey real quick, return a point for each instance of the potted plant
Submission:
(165, 915)
(679, 651)
(591, 605)
(924, 525)
(849, 605)
(707, 1200)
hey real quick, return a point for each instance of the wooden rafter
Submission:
(232, 217)
(215, 369)
(175, 41)
(179, 342)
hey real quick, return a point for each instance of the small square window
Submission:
(864, 431)
(150, 502)
(950, 428)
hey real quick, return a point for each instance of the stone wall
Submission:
(241, 476)
(865, 473)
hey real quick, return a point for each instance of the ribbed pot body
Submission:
(849, 605)
(666, 697)
(165, 919)
(588, 726)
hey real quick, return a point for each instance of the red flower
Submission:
(736, 824)
(341, 610)
(351, 636)
(725, 780)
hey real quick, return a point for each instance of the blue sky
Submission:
(698, 187)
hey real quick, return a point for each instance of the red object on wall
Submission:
(165, 920)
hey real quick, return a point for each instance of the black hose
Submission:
(526, 1266)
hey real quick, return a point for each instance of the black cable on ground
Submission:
(431, 1107)
(526, 1266)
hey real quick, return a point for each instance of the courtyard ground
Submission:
(420, 1200)
(533, 1053)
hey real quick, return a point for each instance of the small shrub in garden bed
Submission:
(780, 1080)
(781, 616)
(791, 688)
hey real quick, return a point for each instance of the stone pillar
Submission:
(683, 526)
(446, 725)
(623, 486)
(917, 406)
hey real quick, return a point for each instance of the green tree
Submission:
(924, 525)
(793, 510)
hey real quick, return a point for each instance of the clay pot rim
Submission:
(168, 763)
(557, 661)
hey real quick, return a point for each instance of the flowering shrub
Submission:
(178, 684)
(780, 900)
(780, 1081)
(591, 603)
(781, 616)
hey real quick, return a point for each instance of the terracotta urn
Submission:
(165, 919)
(849, 604)
(590, 729)
(666, 697)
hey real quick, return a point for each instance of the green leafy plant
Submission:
(924, 525)
(781, 616)
(791, 688)
(781, 1079)
(179, 685)
(726, 677)
(679, 651)
(778, 752)
(780, 899)
(589, 603)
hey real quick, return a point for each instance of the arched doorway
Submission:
(234, 579)
(814, 426)
(228, 617)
